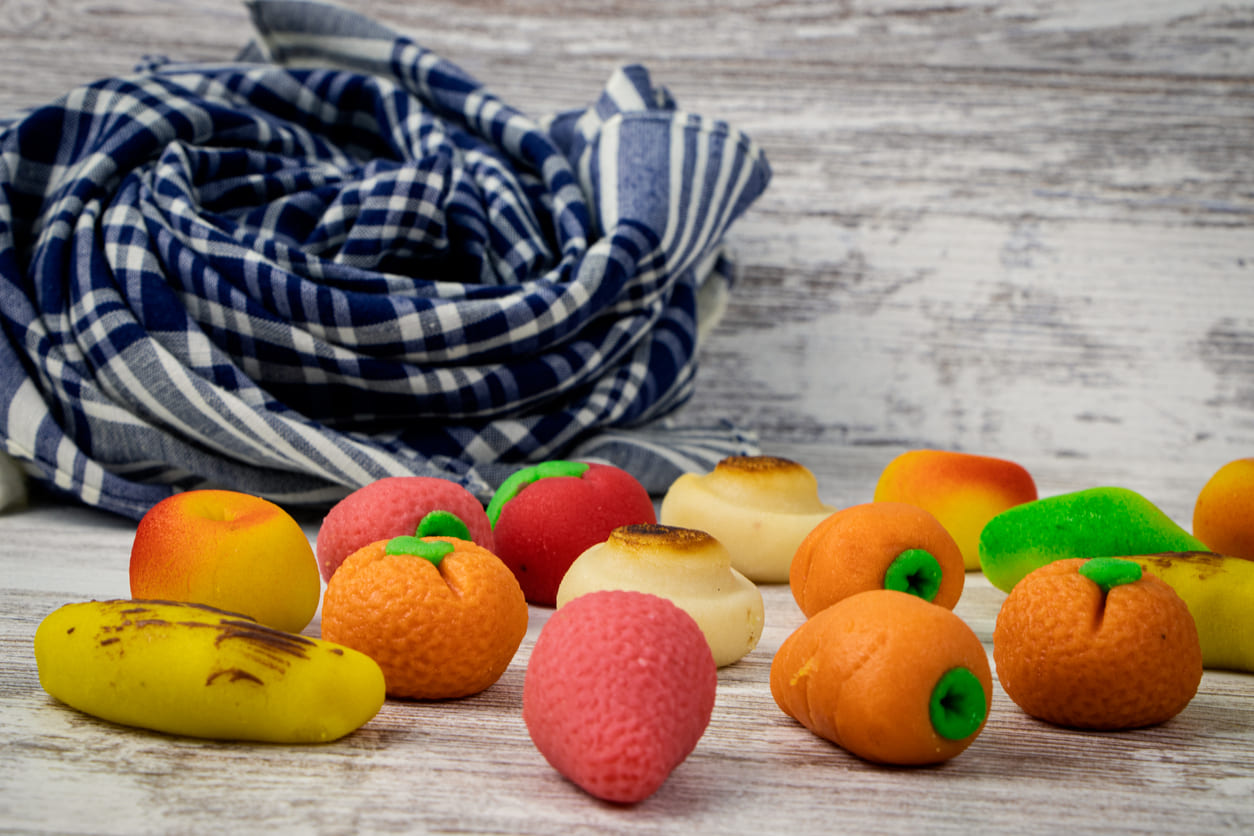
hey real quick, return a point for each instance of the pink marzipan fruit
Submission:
(393, 507)
(619, 690)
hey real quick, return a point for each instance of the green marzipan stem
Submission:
(432, 550)
(958, 706)
(1110, 571)
(515, 483)
(914, 571)
(443, 524)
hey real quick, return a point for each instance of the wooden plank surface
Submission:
(1022, 228)
(469, 766)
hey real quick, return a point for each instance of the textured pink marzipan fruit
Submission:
(619, 689)
(392, 507)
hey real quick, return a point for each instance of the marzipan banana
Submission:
(1219, 592)
(194, 670)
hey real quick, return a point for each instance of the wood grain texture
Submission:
(468, 765)
(1022, 228)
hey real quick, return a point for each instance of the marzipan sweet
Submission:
(193, 670)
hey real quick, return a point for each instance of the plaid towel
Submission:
(340, 258)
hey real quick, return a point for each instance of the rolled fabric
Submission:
(340, 258)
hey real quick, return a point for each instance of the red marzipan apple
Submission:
(547, 515)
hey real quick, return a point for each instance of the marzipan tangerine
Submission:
(1223, 517)
(442, 616)
(1097, 644)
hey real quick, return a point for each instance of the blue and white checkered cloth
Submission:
(340, 258)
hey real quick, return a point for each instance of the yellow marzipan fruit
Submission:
(1219, 592)
(193, 670)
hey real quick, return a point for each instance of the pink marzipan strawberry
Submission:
(619, 690)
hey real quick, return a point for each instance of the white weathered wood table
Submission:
(1017, 228)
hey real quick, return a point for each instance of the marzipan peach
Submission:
(229, 550)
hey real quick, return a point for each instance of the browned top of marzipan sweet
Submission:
(652, 536)
(757, 464)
